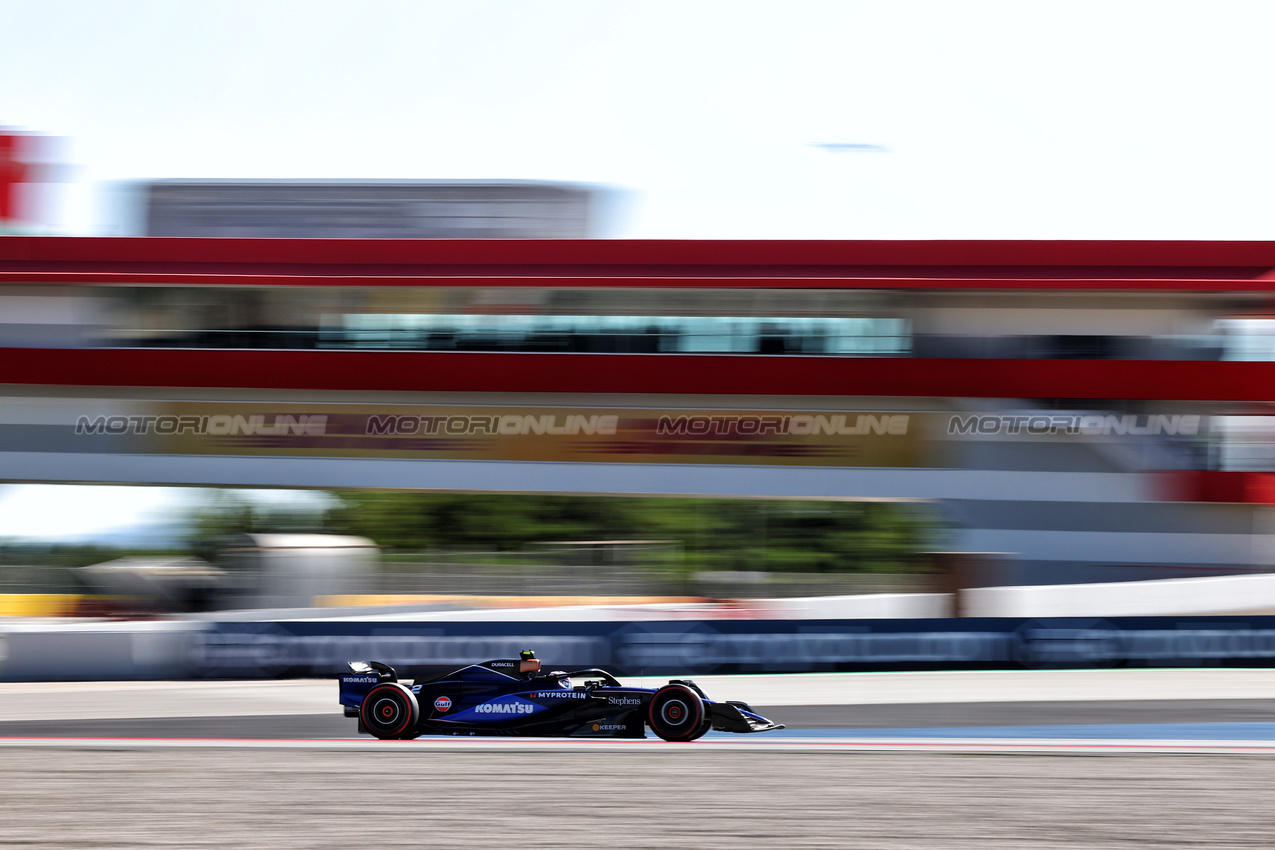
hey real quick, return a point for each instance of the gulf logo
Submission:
(443, 703)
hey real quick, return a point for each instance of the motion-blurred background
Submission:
(598, 368)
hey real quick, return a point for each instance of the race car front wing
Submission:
(736, 716)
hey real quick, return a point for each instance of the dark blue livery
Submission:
(512, 697)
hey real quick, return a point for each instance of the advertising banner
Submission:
(315, 648)
(303, 649)
(597, 435)
(703, 436)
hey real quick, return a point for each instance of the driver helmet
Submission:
(528, 663)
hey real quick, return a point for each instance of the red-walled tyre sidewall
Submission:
(390, 711)
(676, 713)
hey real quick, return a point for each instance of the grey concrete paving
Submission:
(671, 796)
(116, 794)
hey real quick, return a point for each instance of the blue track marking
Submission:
(1126, 731)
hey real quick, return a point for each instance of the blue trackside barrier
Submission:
(660, 648)
(296, 649)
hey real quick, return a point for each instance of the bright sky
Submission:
(62, 511)
(50, 511)
(998, 119)
(971, 120)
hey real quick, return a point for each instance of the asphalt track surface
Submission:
(832, 720)
(83, 770)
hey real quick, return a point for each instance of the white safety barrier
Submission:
(93, 651)
(1251, 594)
(868, 606)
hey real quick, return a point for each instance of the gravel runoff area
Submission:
(679, 797)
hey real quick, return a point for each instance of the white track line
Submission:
(524, 745)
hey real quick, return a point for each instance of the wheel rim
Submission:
(386, 711)
(676, 713)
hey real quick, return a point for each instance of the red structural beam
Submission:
(1198, 485)
(1214, 285)
(885, 264)
(429, 371)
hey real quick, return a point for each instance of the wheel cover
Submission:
(387, 712)
(674, 712)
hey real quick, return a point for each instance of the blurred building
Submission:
(352, 209)
(26, 168)
(1081, 411)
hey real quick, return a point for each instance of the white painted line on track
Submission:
(559, 745)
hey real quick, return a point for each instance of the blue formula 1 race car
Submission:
(514, 698)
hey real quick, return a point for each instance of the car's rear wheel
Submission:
(390, 711)
(676, 713)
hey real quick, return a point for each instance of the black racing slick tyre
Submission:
(390, 712)
(676, 713)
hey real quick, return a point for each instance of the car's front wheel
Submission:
(390, 711)
(676, 713)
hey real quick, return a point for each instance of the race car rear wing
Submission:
(383, 671)
(365, 675)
